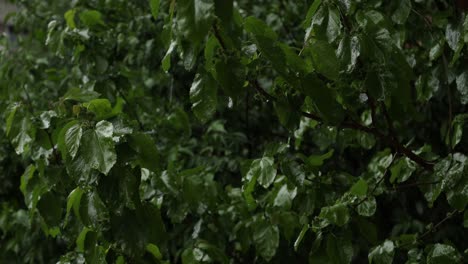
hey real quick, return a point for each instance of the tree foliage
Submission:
(221, 131)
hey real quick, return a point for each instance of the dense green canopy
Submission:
(222, 131)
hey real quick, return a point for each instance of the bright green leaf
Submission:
(154, 5)
(359, 188)
(382, 254)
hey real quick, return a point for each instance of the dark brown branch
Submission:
(262, 91)
(391, 129)
(217, 35)
(413, 184)
(391, 141)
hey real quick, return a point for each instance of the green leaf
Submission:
(453, 36)
(259, 28)
(324, 59)
(300, 237)
(462, 87)
(348, 52)
(266, 239)
(91, 18)
(359, 188)
(97, 147)
(166, 61)
(80, 95)
(311, 12)
(203, 95)
(154, 250)
(339, 249)
(337, 214)
(92, 211)
(285, 197)
(402, 170)
(194, 19)
(382, 254)
(318, 160)
(70, 18)
(80, 240)
(148, 154)
(270, 48)
(74, 201)
(368, 207)
(154, 5)
(73, 138)
(323, 97)
(46, 118)
(437, 49)
(26, 177)
(317, 23)
(334, 24)
(10, 113)
(24, 137)
(127, 228)
(101, 108)
(443, 254)
(230, 75)
(400, 15)
(263, 170)
(61, 144)
(50, 208)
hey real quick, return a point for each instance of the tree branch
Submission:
(390, 140)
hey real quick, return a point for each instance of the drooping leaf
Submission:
(324, 59)
(70, 18)
(73, 202)
(266, 239)
(73, 138)
(203, 95)
(194, 18)
(154, 5)
(10, 114)
(97, 147)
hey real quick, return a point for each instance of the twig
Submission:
(413, 184)
(217, 35)
(433, 228)
(449, 95)
(377, 184)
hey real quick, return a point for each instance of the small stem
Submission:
(433, 228)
